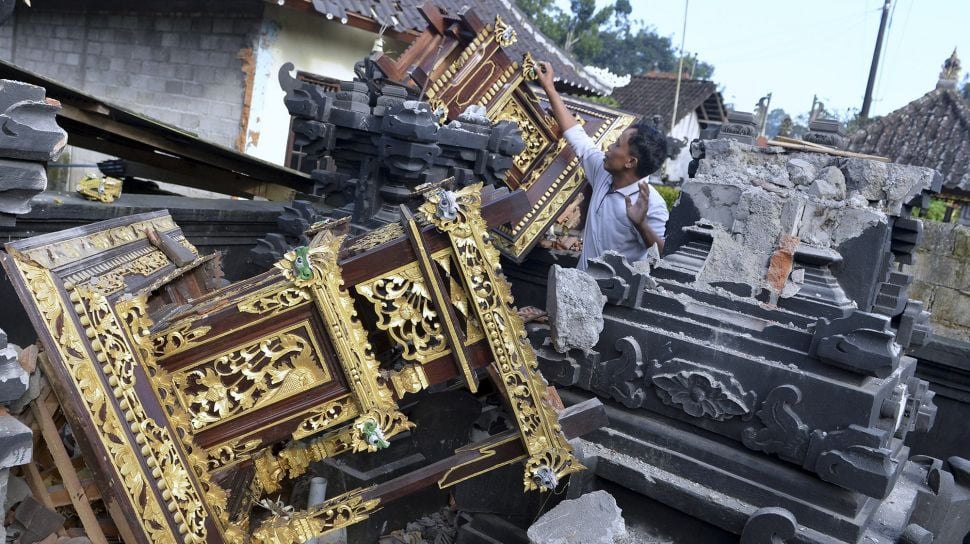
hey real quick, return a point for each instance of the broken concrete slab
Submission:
(593, 518)
(16, 442)
(830, 185)
(14, 379)
(801, 172)
(575, 306)
(28, 129)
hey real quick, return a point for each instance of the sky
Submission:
(795, 49)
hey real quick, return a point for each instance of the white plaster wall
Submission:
(689, 127)
(313, 44)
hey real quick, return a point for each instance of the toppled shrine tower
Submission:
(758, 370)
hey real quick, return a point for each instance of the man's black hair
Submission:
(649, 146)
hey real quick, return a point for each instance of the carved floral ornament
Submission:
(550, 457)
(700, 394)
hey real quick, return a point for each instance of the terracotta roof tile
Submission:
(931, 131)
(653, 94)
(568, 71)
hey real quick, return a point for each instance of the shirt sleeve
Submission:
(590, 155)
(657, 213)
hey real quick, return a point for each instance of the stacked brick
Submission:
(183, 68)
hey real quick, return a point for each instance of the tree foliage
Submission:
(608, 37)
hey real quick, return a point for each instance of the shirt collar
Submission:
(630, 189)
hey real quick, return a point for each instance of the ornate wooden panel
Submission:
(462, 72)
(169, 394)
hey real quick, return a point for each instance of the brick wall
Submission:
(182, 68)
(941, 278)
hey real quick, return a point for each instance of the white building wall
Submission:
(687, 129)
(313, 44)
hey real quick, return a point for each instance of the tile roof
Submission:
(931, 131)
(403, 15)
(653, 94)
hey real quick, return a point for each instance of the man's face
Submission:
(618, 157)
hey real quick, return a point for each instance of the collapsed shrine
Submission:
(754, 378)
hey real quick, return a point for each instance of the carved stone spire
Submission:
(950, 72)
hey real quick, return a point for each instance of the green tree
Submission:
(608, 37)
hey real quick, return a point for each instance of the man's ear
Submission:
(632, 163)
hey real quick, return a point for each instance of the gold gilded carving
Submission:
(325, 416)
(532, 134)
(64, 252)
(379, 236)
(409, 379)
(110, 433)
(274, 302)
(118, 362)
(504, 34)
(530, 69)
(316, 269)
(177, 340)
(473, 330)
(549, 455)
(250, 377)
(100, 188)
(134, 317)
(405, 310)
(231, 453)
(299, 527)
(294, 460)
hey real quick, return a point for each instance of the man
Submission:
(626, 214)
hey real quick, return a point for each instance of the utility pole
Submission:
(680, 67)
(867, 99)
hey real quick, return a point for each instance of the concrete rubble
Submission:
(593, 518)
(752, 367)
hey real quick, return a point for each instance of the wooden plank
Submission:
(36, 484)
(60, 496)
(80, 500)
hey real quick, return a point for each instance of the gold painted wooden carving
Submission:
(252, 376)
(275, 301)
(326, 416)
(299, 527)
(535, 137)
(231, 453)
(550, 456)
(159, 450)
(504, 34)
(405, 310)
(178, 339)
(316, 270)
(63, 252)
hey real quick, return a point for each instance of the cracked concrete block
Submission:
(830, 184)
(13, 378)
(593, 518)
(16, 442)
(865, 177)
(717, 200)
(801, 172)
(28, 129)
(575, 306)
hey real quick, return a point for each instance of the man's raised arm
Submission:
(559, 111)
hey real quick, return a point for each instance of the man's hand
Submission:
(637, 211)
(545, 76)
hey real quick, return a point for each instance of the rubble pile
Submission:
(757, 371)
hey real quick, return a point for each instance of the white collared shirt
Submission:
(607, 225)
